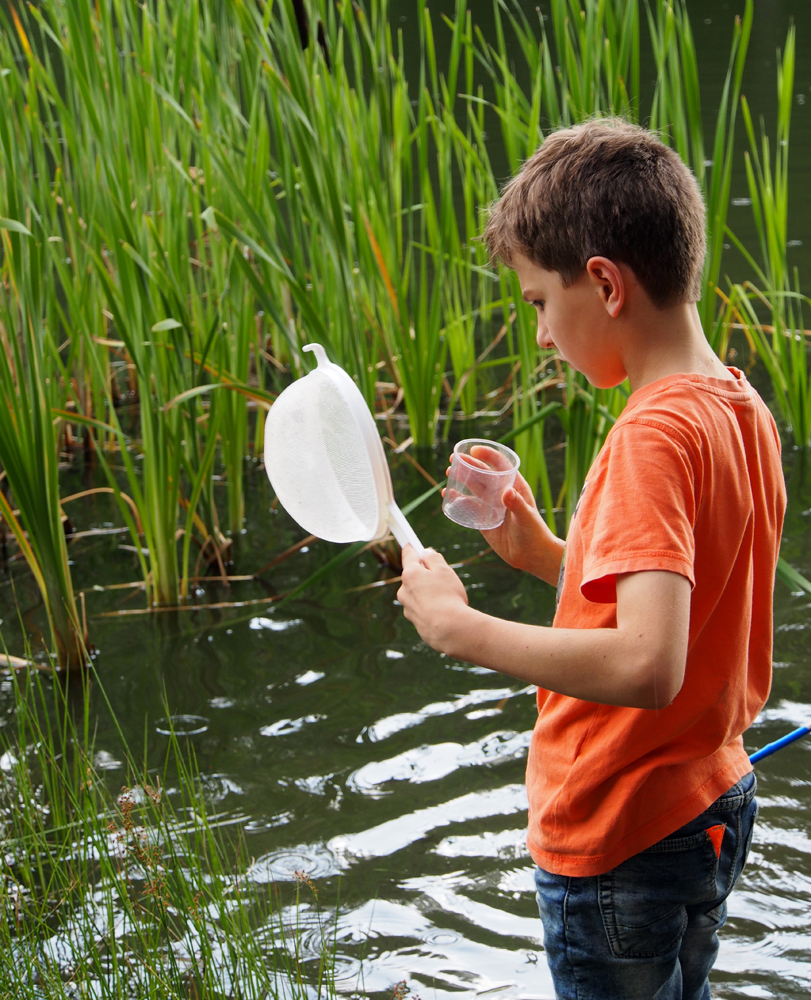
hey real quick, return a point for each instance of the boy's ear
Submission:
(609, 283)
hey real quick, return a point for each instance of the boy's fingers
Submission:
(516, 503)
(521, 487)
(494, 458)
(475, 461)
(411, 560)
(432, 559)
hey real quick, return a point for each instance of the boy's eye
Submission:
(539, 304)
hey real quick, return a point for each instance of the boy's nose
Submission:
(543, 338)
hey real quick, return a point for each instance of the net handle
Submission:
(403, 531)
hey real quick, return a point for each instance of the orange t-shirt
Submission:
(689, 480)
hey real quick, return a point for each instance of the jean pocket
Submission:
(643, 900)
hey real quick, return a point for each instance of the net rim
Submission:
(367, 431)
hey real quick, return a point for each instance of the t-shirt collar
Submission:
(737, 389)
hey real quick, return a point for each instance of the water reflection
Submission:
(434, 761)
(217, 787)
(452, 962)
(272, 624)
(392, 724)
(397, 834)
(284, 727)
(504, 844)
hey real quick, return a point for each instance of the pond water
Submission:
(335, 742)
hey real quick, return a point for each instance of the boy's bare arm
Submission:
(639, 664)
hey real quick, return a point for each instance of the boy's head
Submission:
(611, 189)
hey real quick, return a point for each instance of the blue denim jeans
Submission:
(647, 929)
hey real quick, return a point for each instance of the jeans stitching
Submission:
(611, 924)
(672, 844)
(572, 976)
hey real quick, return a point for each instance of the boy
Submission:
(641, 796)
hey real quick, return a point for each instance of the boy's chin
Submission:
(601, 382)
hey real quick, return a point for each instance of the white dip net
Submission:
(319, 464)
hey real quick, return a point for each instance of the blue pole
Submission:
(784, 741)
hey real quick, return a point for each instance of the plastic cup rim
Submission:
(490, 444)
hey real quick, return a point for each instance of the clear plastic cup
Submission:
(477, 482)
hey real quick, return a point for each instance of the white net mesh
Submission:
(318, 464)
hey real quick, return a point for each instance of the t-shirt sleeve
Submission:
(643, 504)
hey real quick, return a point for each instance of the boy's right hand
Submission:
(523, 539)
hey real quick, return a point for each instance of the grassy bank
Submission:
(137, 891)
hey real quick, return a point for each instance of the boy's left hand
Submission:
(432, 595)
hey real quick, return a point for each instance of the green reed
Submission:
(31, 384)
(134, 892)
(357, 213)
(213, 195)
(142, 272)
(782, 344)
(676, 110)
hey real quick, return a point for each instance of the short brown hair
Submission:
(611, 189)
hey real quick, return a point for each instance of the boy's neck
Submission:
(661, 342)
